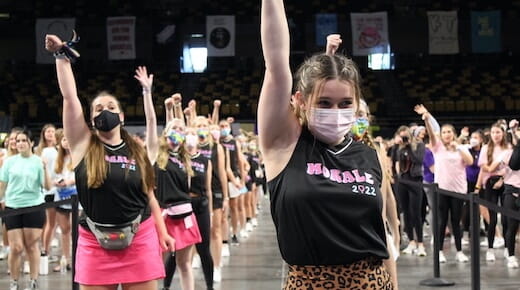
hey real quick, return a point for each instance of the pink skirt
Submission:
(185, 231)
(140, 262)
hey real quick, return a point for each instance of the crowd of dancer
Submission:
(156, 201)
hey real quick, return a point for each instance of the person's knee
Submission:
(16, 247)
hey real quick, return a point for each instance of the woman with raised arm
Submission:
(451, 159)
(173, 170)
(325, 188)
(122, 231)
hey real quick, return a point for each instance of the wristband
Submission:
(67, 51)
(147, 91)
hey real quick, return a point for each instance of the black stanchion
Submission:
(75, 217)
(436, 281)
(474, 228)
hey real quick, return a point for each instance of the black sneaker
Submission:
(32, 285)
(234, 240)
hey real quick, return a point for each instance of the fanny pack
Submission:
(114, 236)
(178, 211)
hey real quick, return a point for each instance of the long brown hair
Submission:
(62, 154)
(315, 71)
(97, 167)
(491, 144)
(43, 142)
(164, 150)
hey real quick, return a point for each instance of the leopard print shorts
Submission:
(364, 274)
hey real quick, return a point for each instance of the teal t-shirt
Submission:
(24, 178)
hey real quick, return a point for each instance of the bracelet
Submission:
(177, 105)
(147, 91)
(477, 187)
(67, 51)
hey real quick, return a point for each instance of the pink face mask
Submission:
(215, 134)
(330, 125)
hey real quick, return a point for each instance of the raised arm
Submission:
(168, 106)
(177, 107)
(216, 111)
(432, 127)
(333, 42)
(74, 126)
(152, 144)
(277, 125)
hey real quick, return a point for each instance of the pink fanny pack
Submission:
(178, 211)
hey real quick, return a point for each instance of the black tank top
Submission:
(120, 198)
(231, 146)
(199, 164)
(212, 154)
(172, 183)
(326, 204)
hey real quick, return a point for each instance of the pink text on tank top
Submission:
(177, 161)
(123, 160)
(338, 175)
(230, 147)
(197, 166)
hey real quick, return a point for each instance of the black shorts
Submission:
(249, 185)
(218, 200)
(34, 219)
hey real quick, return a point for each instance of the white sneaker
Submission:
(506, 253)
(195, 264)
(499, 242)
(13, 285)
(249, 227)
(254, 221)
(442, 259)
(225, 250)
(217, 275)
(244, 234)
(512, 262)
(4, 253)
(484, 243)
(55, 243)
(461, 258)
(26, 268)
(33, 285)
(490, 256)
(410, 249)
(421, 252)
(464, 242)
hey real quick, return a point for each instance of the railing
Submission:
(474, 202)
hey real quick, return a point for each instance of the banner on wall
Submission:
(485, 31)
(62, 27)
(326, 23)
(369, 33)
(220, 35)
(121, 37)
(443, 31)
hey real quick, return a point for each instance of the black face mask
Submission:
(106, 121)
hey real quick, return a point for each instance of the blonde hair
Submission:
(164, 150)
(310, 78)
(205, 122)
(97, 167)
(491, 144)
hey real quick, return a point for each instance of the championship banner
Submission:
(326, 23)
(62, 27)
(220, 35)
(369, 33)
(485, 31)
(121, 37)
(443, 30)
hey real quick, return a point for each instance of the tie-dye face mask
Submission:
(202, 133)
(359, 128)
(175, 138)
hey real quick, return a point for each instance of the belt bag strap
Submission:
(113, 236)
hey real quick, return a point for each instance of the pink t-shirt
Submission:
(450, 170)
(497, 153)
(511, 177)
